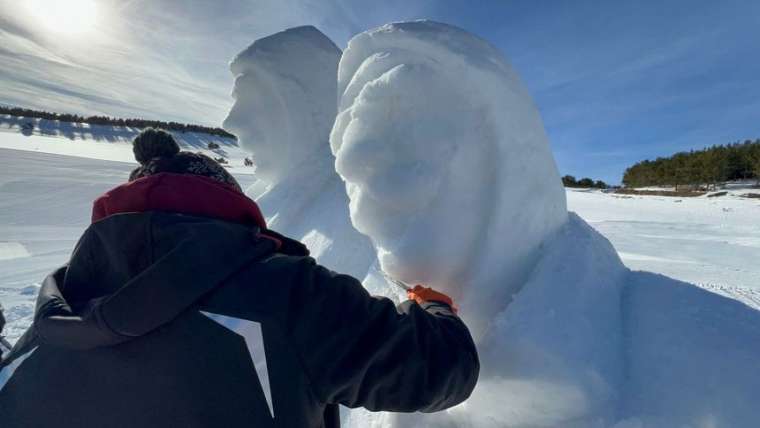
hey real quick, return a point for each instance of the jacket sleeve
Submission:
(363, 351)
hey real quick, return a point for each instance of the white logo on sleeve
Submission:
(254, 340)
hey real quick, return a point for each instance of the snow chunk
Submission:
(434, 136)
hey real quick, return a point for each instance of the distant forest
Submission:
(699, 168)
(570, 181)
(112, 121)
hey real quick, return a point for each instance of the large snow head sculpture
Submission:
(285, 99)
(446, 162)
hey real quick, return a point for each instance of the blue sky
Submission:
(616, 81)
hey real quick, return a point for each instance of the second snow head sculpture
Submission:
(446, 163)
(285, 104)
(285, 99)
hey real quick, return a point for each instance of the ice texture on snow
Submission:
(285, 104)
(433, 130)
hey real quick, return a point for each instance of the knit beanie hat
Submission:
(157, 152)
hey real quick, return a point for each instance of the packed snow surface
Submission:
(710, 241)
(285, 104)
(580, 341)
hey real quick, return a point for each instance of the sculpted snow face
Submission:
(449, 172)
(446, 162)
(285, 100)
(285, 104)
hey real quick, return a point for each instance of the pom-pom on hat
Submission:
(154, 143)
(158, 152)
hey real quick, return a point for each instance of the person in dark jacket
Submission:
(179, 307)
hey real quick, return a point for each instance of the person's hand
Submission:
(422, 294)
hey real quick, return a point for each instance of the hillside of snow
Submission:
(105, 142)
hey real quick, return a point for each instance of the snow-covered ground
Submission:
(712, 242)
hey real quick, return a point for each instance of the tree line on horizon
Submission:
(698, 168)
(113, 121)
(570, 181)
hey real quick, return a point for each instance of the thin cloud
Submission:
(623, 79)
(162, 60)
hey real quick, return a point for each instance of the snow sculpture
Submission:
(285, 104)
(284, 99)
(449, 172)
(434, 134)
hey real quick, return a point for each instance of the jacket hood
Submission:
(132, 273)
(179, 193)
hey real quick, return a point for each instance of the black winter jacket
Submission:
(166, 320)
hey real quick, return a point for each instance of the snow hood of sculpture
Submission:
(285, 99)
(446, 162)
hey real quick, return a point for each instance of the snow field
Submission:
(713, 242)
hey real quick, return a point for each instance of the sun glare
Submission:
(64, 17)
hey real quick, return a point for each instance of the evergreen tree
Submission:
(569, 181)
(707, 167)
